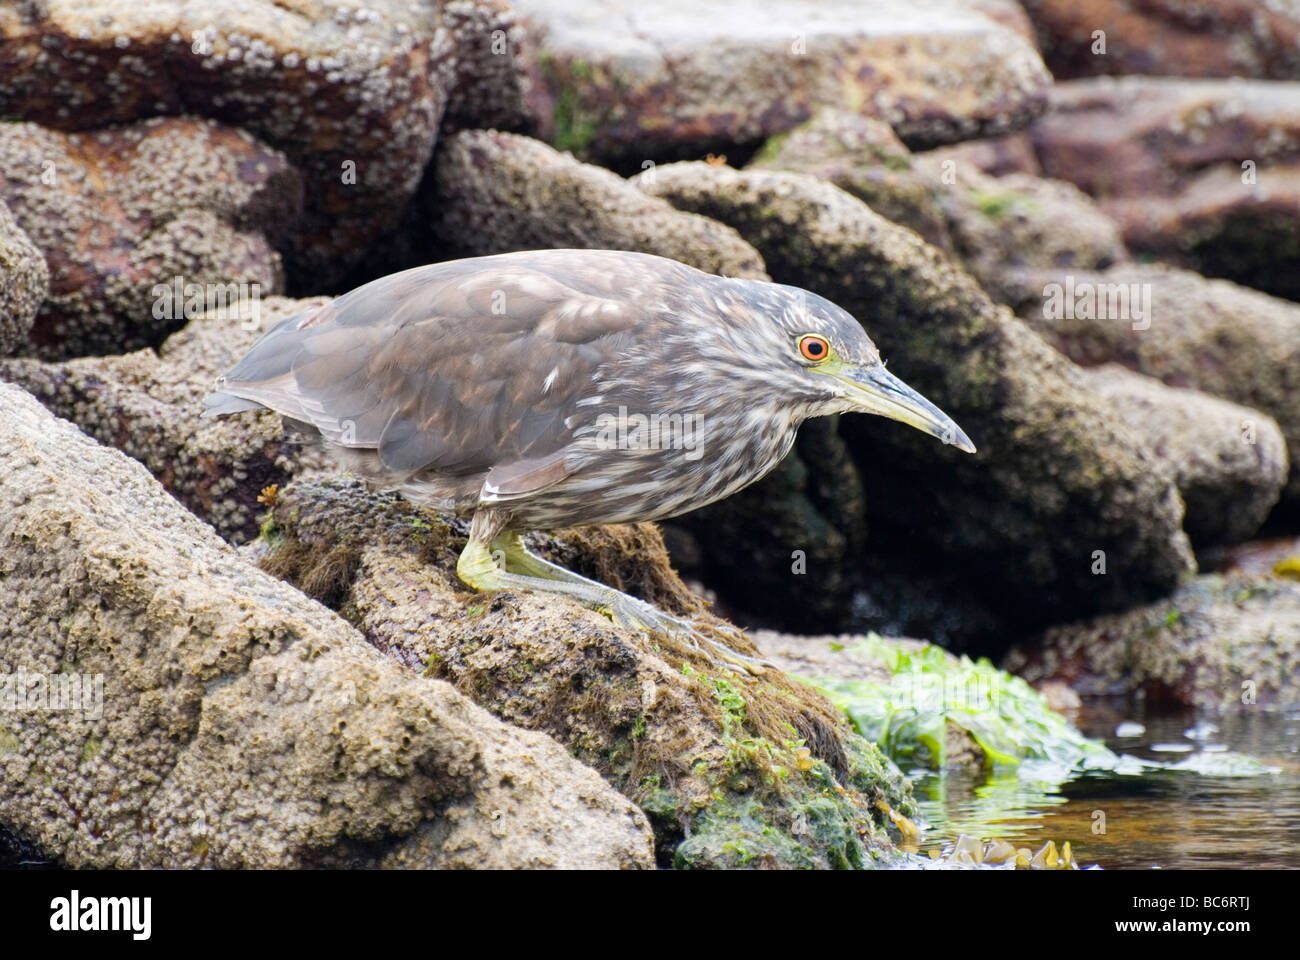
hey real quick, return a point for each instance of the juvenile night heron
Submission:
(555, 388)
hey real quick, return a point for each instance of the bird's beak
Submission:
(876, 390)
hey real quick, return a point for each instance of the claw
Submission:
(634, 614)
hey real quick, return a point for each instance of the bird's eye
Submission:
(814, 348)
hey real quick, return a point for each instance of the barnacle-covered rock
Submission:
(24, 281)
(148, 405)
(237, 723)
(1217, 642)
(496, 192)
(351, 93)
(161, 204)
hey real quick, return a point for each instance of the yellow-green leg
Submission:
(503, 563)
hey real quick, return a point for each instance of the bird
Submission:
(541, 389)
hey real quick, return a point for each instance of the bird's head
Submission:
(818, 352)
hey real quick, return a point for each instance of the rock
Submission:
(147, 405)
(496, 192)
(863, 157)
(1230, 461)
(241, 725)
(122, 210)
(24, 282)
(1276, 555)
(732, 769)
(1218, 642)
(1227, 38)
(1059, 475)
(996, 156)
(1207, 335)
(841, 656)
(486, 87)
(623, 83)
(1006, 227)
(1009, 13)
(993, 225)
(1204, 174)
(1061, 698)
(351, 93)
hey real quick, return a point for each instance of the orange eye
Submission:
(814, 348)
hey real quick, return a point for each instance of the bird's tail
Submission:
(263, 361)
(218, 404)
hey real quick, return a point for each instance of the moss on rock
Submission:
(733, 769)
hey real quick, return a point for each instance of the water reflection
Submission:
(1137, 817)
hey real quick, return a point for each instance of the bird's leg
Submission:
(527, 571)
(485, 566)
(504, 563)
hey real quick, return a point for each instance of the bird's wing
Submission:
(460, 367)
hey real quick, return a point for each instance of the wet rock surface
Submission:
(241, 724)
(1217, 642)
(118, 212)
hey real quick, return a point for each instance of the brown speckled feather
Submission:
(428, 367)
(511, 383)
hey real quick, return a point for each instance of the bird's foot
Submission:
(510, 566)
(635, 614)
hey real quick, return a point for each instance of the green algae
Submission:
(572, 128)
(269, 532)
(908, 716)
(774, 804)
(996, 204)
(1029, 751)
